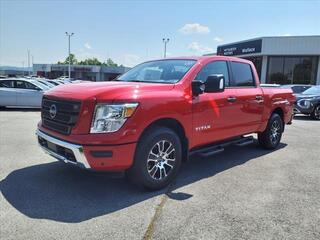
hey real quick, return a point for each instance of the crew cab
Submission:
(150, 119)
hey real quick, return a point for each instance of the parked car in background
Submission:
(45, 82)
(21, 93)
(65, 79)
(81, 81)
(61, 81)
(297, 88)
(54, 82)
(308, 102)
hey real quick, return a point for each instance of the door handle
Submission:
(232, 99)
(259, 97)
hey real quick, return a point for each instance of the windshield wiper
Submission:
(145, 81)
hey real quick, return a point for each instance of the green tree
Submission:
(110, 63)
(90, 61)
(72, 58)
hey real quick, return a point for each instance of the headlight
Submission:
(111, 117)
(304, 103)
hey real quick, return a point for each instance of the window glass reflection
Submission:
(292, 70)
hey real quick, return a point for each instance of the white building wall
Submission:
(285, 46)
(297, 45)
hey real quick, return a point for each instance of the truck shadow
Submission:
(303, 118)
(20, 109)
(66, 194)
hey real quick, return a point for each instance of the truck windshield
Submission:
(162, 71)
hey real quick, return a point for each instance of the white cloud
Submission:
(191, 28)
(130, 60)
(87, 46)
(287, 35)
(196, 47)
(218, 39)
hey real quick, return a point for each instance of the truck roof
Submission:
(210, 58)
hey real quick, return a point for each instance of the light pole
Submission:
(69, 60)
(23, 67)
(165, 41)
(28, 62)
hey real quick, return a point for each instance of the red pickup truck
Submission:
(150, 119)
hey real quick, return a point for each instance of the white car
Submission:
(45, 82)
(21, 93)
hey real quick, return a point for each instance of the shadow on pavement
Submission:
(20, 109)
(303, 117)
(66, 194)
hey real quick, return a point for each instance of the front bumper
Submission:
(69, 152)
(299, 110)
(94, 157)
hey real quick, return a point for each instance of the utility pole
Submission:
(28, 62)
(22, 67)
(165, 41)
(69, 35)
(32, 62)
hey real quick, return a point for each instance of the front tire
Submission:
(157, 159)
(316, 113)
(271, 136)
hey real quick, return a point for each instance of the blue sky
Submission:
(131, 31)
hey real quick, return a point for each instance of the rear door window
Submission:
(25, 85)
(31, 86)
(21, 84)
(242, 75)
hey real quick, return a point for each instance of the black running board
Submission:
(219, 147)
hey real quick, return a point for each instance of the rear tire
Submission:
(271, 136)
(157, 159)
(316, 113)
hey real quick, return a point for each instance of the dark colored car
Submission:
(297, 88)
(308, 102)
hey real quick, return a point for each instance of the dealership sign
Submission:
(240, 48)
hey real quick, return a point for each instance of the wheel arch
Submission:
(280, 112)
(175, 126)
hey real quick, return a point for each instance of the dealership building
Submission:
(82, 72)
(280, 60)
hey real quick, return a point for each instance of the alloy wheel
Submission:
(275, 132)
(161, 160)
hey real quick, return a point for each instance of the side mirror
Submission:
(215, 83)
(197, 87)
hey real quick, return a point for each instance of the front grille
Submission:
(60, 115)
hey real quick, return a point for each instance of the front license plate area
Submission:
(52, 146)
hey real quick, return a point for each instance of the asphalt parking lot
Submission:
(242, 193)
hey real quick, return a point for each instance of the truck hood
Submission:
(106, 91)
